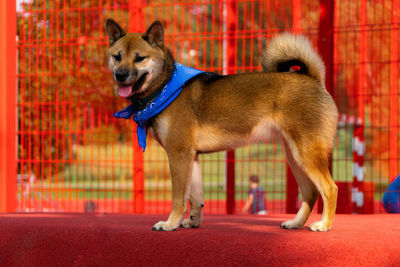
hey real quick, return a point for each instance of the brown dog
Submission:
(214, 113)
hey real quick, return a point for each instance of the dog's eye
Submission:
(139, 59)
(117, 57)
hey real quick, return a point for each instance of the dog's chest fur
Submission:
(159, 129)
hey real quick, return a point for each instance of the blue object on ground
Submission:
(391, 198)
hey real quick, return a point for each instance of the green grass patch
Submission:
(104, 171)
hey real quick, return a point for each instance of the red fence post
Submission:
(325, 39)
(230, 55)
(394, 94)
(292, 189)
(296, 16)
(358, 139)
(357, 191)
(325, 48)
(136, 24)
(8, 93)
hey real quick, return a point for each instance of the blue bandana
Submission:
(168, 94)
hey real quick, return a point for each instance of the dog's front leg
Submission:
(180, 164)
(195, 198)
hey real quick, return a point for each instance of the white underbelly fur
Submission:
(209, 139)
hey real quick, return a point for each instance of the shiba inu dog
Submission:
(215, 113)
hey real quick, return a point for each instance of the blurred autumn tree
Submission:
(372, 90)
(65, 91)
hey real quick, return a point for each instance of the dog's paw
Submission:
(319, 226)
(291, 224)
(164, 226)
(189, 223)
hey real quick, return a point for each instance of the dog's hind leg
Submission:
(329, 191)
(195, 197)
(308, 191)
(313, 161)
(181, 164)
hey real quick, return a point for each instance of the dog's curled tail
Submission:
(287, 52)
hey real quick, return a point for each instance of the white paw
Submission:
(319, 226)
(291, 224)
(188, 223)
(164, 226)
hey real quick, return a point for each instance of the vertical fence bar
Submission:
(394, 93)
(296, 16)
(8, 162)
(358, 166)
(230, 55)
(358, 139)
(325, 39)
(292, 189)
(325, 48)
(136, 24)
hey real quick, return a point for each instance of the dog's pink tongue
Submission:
(125, 91)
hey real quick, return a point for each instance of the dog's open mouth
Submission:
(127, 91)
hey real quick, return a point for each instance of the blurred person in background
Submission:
(256, 200)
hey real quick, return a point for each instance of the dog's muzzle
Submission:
(121, 75)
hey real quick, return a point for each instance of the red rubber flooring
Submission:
(127, 240)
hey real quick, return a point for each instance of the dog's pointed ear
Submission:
(114, 31)
(155, 34)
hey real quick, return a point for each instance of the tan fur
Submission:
(287, 46)
(236, 110)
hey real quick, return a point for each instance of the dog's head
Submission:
(137, 61)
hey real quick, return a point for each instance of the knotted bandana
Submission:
(168, 94)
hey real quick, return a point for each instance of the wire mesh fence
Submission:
(74, 156)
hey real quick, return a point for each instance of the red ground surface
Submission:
(164, 206)
(222, 240)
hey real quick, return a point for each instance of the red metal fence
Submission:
(72, 155)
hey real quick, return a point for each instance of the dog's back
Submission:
(238, 108)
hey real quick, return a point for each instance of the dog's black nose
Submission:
(121, 75)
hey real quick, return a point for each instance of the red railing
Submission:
(7, 106)
(72, 155)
